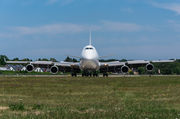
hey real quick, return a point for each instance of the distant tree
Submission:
(44, 59)
(16, 59)
(123, 60)
(53, 59)
(2, 62)
(108, 60)
(75, 60)
(141, 70)
(178, 60)
(39, 59)
(68, 59)
(25, 59)
(131, 73)
(176, 70)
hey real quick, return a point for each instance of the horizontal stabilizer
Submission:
(107, 56)
(72, 56)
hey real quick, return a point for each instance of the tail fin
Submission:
(90, 37)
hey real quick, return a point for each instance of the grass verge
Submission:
(85, 97)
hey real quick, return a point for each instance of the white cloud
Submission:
(8, 35)
(128, 27)
(69, 28)
(174, 25)
(118, 26)
(127, 10)
(63, 2)
(50, 29)
(170, 6)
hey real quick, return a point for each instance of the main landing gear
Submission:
(105, 74)
(73, 74)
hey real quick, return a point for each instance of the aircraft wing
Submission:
(31, 62)
(62, 63)
(117, 63)
(146, 62)
(17, 62)
(67, 64)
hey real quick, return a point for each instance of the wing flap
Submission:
(158, 61)
(137, 62)
(67, 64)
(114, 63)
(42, 62)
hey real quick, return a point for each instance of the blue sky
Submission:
(134, 29)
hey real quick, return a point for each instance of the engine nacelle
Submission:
(54, 69)
(29, 67)
(149, 67)
(125, 69)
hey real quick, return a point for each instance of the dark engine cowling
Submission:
(124, 69)
(29, 67)
(54, 69)
(149, 67)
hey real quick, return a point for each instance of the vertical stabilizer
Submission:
(90, 37)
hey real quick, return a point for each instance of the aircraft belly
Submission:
(89, 65)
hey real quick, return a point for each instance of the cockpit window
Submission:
(88, 48)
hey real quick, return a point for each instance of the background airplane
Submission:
(88, 63)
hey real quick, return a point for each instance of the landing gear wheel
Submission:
(105, 74)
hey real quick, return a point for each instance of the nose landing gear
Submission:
(89, 74)
(105, 72)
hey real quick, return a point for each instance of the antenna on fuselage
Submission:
(90, 37)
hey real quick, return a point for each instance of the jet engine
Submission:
(29, 67)
(124, 69)
(54, 69)
(149, 67)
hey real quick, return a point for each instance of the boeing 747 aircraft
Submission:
(88, 63)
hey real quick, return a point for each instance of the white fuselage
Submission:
(89, 59)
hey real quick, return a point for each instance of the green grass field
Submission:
(84, 97)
